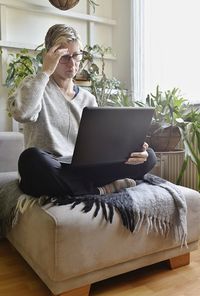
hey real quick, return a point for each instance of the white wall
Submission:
(121, 41)
(24, 23)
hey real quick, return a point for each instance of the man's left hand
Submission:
(138, 157)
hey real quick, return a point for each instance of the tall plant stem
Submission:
(183, 168)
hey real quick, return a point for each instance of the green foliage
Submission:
(22, 64)
(108, 91)
(93, 4)
(170, 106)
(190, 133)
(172, 109)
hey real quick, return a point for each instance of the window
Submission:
(168, 47)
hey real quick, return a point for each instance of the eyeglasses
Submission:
(77, 57)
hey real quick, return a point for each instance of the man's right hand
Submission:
(51, 58)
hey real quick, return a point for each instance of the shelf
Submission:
(17, 45)
(51, 10)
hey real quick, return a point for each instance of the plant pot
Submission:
(64, 4)
(165, 139)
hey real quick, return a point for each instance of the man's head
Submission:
(61, 34)
(65, 39)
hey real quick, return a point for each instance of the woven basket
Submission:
(64, 4)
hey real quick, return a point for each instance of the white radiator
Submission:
(173, 166)
(169, 166)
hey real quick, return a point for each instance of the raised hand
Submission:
(51, 58)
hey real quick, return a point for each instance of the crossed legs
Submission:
(42, 174)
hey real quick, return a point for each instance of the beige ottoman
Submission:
(70, 250)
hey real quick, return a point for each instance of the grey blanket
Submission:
(154, 202)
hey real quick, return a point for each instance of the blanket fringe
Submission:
(155, 224)
(24, 202)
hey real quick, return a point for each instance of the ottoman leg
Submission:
(82, 291)
(179, 261)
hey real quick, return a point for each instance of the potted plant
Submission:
(68, 4)
(170, 106)
(174, 121)
(108, 91)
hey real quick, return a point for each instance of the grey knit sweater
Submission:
(50, 121)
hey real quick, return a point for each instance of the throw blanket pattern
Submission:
(154, 202)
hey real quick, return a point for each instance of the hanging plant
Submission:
(93, 4)
(64, 4)
(68, 4)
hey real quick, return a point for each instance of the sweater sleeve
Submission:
(25, 104)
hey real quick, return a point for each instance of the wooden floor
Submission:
(17, 279)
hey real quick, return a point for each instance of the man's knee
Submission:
(29, 159)
(30, 154)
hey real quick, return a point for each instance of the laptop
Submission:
(109, 134)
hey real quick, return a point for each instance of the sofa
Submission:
(70, 250)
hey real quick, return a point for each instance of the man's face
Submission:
(68, 65)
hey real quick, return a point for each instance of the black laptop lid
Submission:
(110, 134)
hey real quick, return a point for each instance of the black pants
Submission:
(42, 174)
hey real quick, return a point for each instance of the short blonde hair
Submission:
(61, 33)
